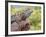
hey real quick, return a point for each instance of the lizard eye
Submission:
(27, 24)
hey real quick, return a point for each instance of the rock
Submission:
(15, 27)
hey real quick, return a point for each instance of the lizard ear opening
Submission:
(23, 18)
